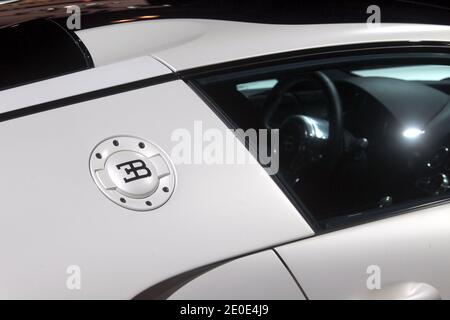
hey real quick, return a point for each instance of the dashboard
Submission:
(396, 141)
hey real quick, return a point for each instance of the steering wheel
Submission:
(301, 128)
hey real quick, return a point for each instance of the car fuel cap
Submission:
(132, 172)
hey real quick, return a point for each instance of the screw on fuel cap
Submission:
(132, 172)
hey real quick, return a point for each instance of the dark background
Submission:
(100, 12)
(317, 11)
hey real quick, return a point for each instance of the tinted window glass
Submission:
(352, 143)
(38, 50)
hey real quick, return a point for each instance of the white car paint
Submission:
(53, 215)
(410, 248)
(260, 276)
(189, 43)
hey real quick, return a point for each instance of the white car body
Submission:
(228, 231)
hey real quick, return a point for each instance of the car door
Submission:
(402, 257)
(381, 216)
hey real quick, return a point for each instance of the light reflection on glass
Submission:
(413, 133)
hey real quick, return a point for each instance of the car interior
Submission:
(352, 140)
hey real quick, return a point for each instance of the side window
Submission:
(357, 141)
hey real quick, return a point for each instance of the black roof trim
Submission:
(87, 96)
(319, 53)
